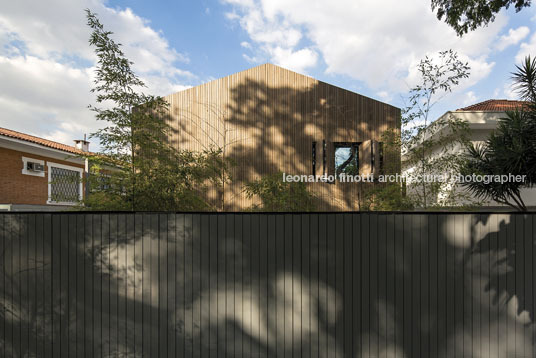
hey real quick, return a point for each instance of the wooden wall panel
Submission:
(266, 119)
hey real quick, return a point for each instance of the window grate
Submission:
(64, 185)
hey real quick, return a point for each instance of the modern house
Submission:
(39, 174)
(268, 119)
(482, 118)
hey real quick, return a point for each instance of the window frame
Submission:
(25, 170)
(67, 167)
(337, 145)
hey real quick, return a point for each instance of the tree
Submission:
(427, 148)
(138, 168)
(277, 195)
(510, 149)
(467, 15)
(432, 148)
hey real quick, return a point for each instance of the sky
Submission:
(369, 47)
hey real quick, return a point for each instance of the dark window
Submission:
(324, 147)
(380, 155)
(346, 158)
(314, 158)
(372, 162)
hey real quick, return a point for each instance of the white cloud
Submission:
(375, 42)
(513, 37)
(526, 49)
(298, 60)
(45, 98)
(43, 82)
(252, 59)
(46, 64)
(384, 95)
(277, 38)
(509, 91)
(470, 98)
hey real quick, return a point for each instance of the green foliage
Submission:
(510, 149)
(525, 81)
(276, 195)
(386, 197)
(467, 15)
(139, 169)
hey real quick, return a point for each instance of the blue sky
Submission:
(372, 48)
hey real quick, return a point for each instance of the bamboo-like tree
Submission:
(433, 147)
(138, 168)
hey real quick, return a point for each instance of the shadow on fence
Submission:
(242, 285)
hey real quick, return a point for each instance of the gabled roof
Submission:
(41, 141)
(262, 73)
(494, 105)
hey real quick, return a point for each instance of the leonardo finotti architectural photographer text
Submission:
(397, 178)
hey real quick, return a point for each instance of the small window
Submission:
(64, 184)
(33, 167)
(324, 148)
(101, 182)
(314, 158)
(372, 154)
(380, 157)
(346, 158)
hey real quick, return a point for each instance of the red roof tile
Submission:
(44, 142)
(494, 105)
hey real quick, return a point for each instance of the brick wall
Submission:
(18, 188)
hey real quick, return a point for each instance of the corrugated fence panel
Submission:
(267, 285)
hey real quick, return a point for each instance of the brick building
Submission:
(39, 174)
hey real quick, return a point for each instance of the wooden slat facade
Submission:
(267, 285)
(266, 119)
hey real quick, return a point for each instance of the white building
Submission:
(482, 118)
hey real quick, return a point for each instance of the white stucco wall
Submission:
(481, 125)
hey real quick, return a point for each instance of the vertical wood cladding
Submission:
(266, 119)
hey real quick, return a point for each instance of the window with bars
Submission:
(64, 184)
